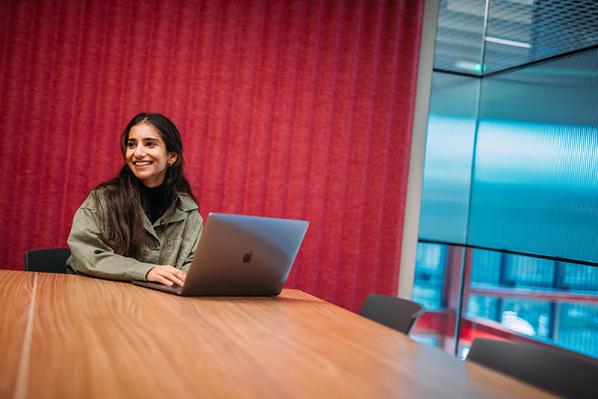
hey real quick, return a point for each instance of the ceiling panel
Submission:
(477, 37)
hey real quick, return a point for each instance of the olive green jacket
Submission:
(171, 240)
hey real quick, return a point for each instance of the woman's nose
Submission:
(139, 151)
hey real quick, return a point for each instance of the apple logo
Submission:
(247, 257)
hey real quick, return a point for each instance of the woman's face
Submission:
(146, 155)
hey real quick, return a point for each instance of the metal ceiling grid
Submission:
(478, 37)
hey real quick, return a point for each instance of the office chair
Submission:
(50, 260)
(393, 312)
(554, 370)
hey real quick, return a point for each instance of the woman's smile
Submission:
(141, 163)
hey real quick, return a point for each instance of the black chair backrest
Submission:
(50, 260)
(553, 370)
(393, 312)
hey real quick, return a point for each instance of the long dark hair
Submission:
(122, 211)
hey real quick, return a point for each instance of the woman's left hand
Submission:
(167, 275)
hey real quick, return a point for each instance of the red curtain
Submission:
(298, 109)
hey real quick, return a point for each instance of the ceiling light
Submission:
(470, 66)
(507, 42)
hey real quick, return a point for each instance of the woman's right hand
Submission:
(167, 275)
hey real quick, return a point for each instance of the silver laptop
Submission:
(240, 256)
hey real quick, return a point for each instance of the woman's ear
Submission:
(172, 157)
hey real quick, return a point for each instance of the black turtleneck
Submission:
(153, 200)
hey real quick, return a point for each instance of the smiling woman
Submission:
(127, 227)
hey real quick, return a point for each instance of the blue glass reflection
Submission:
(448, 161)
(535, 189)
(535, 180)
(552, 301)
(428, 288)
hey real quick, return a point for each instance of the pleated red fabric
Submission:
(297, 109)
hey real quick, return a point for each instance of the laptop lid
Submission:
(243, 255)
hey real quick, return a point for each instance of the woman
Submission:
(144, 224)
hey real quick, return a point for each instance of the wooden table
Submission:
(66, 336)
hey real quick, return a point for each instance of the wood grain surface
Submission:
(94, 338)
(16, 293)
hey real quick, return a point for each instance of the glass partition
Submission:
(448, 161)
(535, 178)
(509, 218)
(504, 295)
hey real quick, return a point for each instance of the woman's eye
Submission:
(150, 144)
(130, 145)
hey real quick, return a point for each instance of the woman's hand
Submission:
(167, 275)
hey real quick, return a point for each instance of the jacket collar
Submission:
(186, 205)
